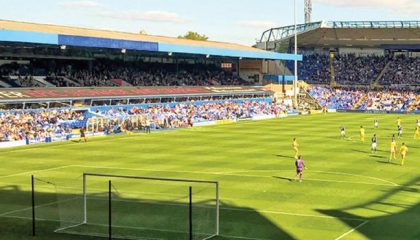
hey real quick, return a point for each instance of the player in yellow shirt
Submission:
(362, 134)
(417, 133)
(295, 146)
(403, 152)
(393, 150)
(398, 121)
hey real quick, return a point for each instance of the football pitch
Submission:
(347, 192)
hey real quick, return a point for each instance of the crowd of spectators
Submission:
(18, 76)
(334, 98)
(384, 99)
(349, 69)
(35, 125)
(389, 100)
(188, 114)
(402, 70)
(117, 73)
(314, 69)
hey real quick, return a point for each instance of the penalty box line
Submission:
(37, 206)
(241, 210)
(389, 184)
(36, 171)
(222, 235)
(210, 173)
(352, 230)
(8, 214)
(198, 172)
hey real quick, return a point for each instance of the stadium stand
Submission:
(358, 99)
(38, 125)
(349, 69)
(117, 73)
(314, 69)
(352, 52)
(336, 98)
(171, 83)
(402, 70)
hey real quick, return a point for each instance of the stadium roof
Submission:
(383, 34)
(12, 31)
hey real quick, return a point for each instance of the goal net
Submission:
(136, 207)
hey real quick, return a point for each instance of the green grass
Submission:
(345, 187)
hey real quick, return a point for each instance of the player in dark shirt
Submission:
(343, 132)
(374, 144)
(300, 165)
(83, 135)
(399, 129)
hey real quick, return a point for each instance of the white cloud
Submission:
(404, 7)
(79, 4)
(150, 16)
(257, 24)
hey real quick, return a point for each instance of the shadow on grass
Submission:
(361, 151)
(283, 156)
(366, 151)
(396, 215)
(284, 178)
(139, 215)
(390, 163)
(415, 146)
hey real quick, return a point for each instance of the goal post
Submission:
(144, 207)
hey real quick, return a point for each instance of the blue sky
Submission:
(239, 21)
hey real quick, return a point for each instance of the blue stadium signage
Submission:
(82, 41)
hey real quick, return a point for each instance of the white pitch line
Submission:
(35, 171)
(222, 235)
(238, 175)
(357, 175)
(328, 172)
(37, 206)
(72, 226)
(293, 214)
(181, 204)
(240, 210)
(352, 230)
(246, 238)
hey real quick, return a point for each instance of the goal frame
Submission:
(216, 184)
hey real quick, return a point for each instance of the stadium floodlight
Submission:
(63, 47)
(208, 56)
(308, 11)
(295, 62)
(138, 207)
(170, 53)
(123, 51)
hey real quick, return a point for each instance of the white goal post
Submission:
(209, 185)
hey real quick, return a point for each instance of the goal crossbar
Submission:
(216, 183)
(148, 178)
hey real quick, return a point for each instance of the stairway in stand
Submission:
(361, 100)
(380, 75)
(413, 104)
